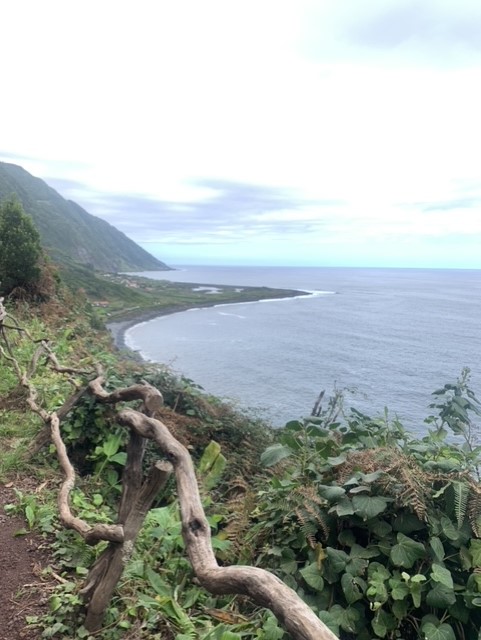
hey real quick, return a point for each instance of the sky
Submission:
(258, 132)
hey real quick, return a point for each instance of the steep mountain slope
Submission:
(68, 232)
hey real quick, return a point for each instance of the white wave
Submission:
(234, 315)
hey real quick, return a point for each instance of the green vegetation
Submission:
(88, 253)
(377, 530)
(20, 249)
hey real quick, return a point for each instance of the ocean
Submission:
(389, 337)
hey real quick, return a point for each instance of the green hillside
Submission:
(68, 232)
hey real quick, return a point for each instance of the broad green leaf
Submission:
(416, 590)
(331, 621)
(331, 493)
(368, 507)
(289, 566)
(399, 589)
(347, 538)
(363, 552)
(449, 529)
(312, 576)
(383, 622)
(337, 559)
(400, 609)
(55, 603)
(357, 566)
(440, 596)
(442, 575)
(271, 629)
(377, 590)
(379, 570)
(380, 528)
(274, 454)
(214, 474)
(406, 551)
(437, 547)
(353, 588)
(120, 458)
(343, 508)
(442, 632)
(97, 499)
(111, 446)
(352, 620)
(407, 523)
(294, 425)
(30, 515)
(211, 452)
(460, 611)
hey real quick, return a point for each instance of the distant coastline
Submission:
(119, 328)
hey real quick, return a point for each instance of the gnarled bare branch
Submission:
(92, 535)
(260, 585)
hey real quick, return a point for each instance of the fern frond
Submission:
(461, 497)
(474, 510)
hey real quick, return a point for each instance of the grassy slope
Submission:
(68, 232)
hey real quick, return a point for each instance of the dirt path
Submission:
(22, 587)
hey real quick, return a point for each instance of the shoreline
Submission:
(118, 329)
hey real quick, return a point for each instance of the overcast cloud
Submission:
(256, 131)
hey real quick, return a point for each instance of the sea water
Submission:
(388, 336)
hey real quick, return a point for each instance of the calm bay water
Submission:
(392, 336)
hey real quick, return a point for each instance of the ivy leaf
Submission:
(343, 508)
(352, 620)
(442, 632)
(347, 538)
(399, 589)
(357, 551)
(312, 576)
(440, 596)
(331, 621)
(406, 551)
(353, 588)
(407, 523)
(368, 507)
(331, 493)
(337, 559)
(380, 528)
(400, 609)
(383, 622)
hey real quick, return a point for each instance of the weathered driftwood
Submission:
(260, 585)
(92, 535)
(151, 397)
(107, 569)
